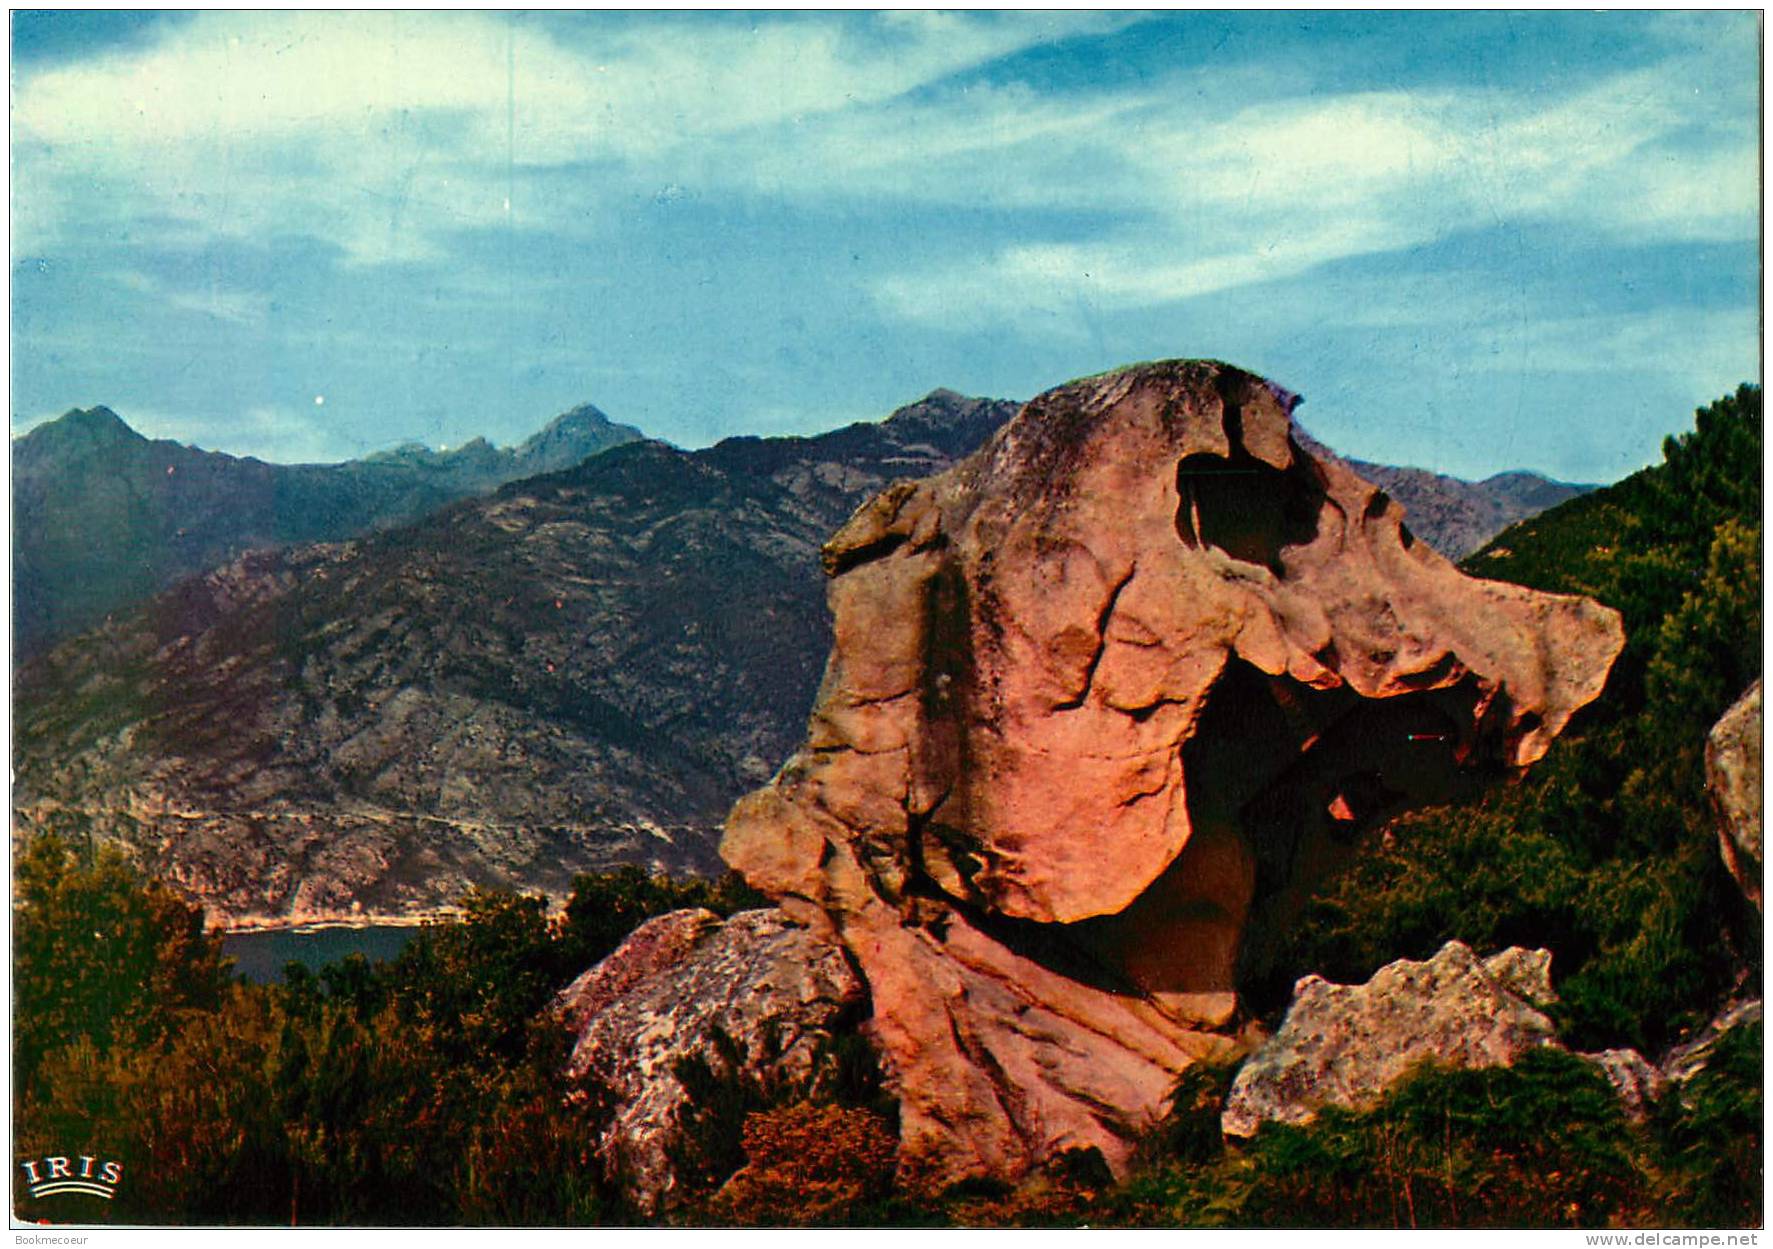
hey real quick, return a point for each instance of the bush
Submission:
(808, 1166)
(1541, 1144)
(605, 907)
(426, 1091)
(1711, 1135)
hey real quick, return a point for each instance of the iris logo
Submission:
(49, 1176)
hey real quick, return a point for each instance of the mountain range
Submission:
(582, 668)
(103, 517)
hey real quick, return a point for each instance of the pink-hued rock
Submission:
(1138, 665)
(648, 952)
(1733, 777)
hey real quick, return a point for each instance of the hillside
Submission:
(103, 517)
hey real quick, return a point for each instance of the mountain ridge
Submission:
(104, 516)
(577, 670)
(1456, 515)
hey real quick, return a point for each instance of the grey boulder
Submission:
(679, 983)
(1733, 778)
(1345, 1045)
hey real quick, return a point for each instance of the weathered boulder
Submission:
(679, 981)
(1733, 777)
(1344, 1045)
(654, 948)
(1137, 668)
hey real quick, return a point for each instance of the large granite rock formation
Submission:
(1137, 667)
(755, 997)
(1733, 777)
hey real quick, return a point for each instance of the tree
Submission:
(100, 953)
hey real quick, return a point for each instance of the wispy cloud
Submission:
(213, 300)
(1212, 203)
(381, 131)
(384, 132)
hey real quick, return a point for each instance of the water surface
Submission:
(261, 956)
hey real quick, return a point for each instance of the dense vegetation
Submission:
(430, 1089)
(1541, 1144)
(425, 1090)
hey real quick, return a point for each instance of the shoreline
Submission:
(239, 925)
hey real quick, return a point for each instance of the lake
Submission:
(261, 956)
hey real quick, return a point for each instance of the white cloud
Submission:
(1717, 349)
(379, 130)
(384, 131)
(1267, 191)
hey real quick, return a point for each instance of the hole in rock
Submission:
(1250, 510)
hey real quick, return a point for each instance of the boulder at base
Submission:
(1345, 1045)
(1733, 776)
(670, 992)
(1104, 699)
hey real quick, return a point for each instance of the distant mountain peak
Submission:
(98, 412)
(97, 419)
(582, 412)
(77, 428)
(573, 436)
(942, 405)
(586, 416)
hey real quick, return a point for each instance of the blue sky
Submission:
(1473, 241)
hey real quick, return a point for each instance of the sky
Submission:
(1472, 241)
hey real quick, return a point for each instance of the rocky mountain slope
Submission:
(583, 669)
(1454, 516)
(103, 517)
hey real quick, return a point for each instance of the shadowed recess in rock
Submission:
(1247, 508)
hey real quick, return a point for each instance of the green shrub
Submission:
(100, 953)
(1711, 1134)
(1541, 1144)
(605, 907)
(808, 1165)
